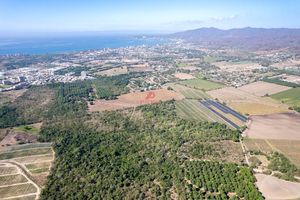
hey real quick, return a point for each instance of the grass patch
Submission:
(290, 97)
(39, 170)
(189, 93)
(201, 84)
(27, 129)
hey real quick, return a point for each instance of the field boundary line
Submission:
(15, 184)
(3, 152)
(27, 175)
(20, 196)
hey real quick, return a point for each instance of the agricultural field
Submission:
(184, 76)
(275, 188)
(135, 99)
(207, 111)
(189, 93)
(192, 109)
(201, 84)
(261, 88)
(290, 97)
(237, 66)
(246, 103)
(113, 71)
(290, 148)
(218, 181)
(282, 126)
(24, 170)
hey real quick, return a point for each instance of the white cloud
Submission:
(228, 18)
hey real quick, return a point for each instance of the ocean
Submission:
(33, 46)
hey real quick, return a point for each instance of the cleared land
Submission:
(24, 169)
(237, 66)
(290, 148)
(275, 188)
(17, 190)
(246, 103)
(261, 88)
(290, 97)
(184, 76)
(206, 111)
(192, 109)
(189, 93)
(275, 126)
(201, 84)
(113, 71)
(135, 99)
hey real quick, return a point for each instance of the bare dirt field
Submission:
(135, 99)
(140, 68)
(287, 63)
(247, 103)
(14, 94)
(237, 66)
(184, 76)
(274, 188)
(113, 71)
(261, 88)
(292, 79)
(282, 126)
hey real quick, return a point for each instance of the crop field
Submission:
(290, 148)
(229, 116)
(290, 97)
(17, 190)
(261, 88)
(192, 109)
(201, 84)
(275, 126)
(12, 179)
(247, 103)
(206, 111)
(25, 152)
(219, 181)
(135, 99)
(24, 169)
(189, 93)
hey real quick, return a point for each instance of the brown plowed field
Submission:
(135, 99)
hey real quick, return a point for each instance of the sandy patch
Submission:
(135, 99)
(261, 88)
(184, 76)
(274, 188)
(274, 126)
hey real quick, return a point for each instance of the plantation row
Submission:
(213, 180)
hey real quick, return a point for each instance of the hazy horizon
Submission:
(155, 17)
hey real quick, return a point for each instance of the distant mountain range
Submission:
(244, 38)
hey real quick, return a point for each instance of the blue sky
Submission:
(18, 16)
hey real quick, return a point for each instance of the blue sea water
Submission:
(71, 44)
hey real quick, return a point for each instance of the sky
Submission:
(51, 16)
